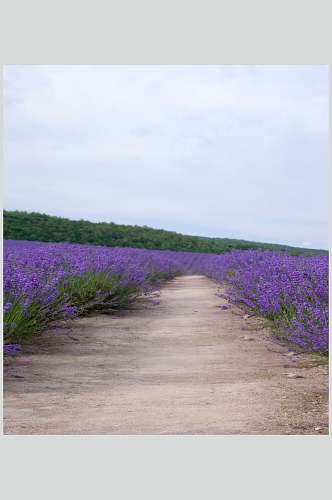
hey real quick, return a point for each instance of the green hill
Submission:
(41, 227)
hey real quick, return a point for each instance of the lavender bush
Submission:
(47, 281)
(291, 291)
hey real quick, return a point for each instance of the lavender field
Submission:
(44, 282)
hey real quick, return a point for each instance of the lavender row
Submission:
(47, 281)
(290, 291)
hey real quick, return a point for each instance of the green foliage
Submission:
(92, 291)
(21, 322)
(41, 227)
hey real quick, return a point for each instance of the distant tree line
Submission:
(42, 227)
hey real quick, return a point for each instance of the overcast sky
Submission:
(227, 151)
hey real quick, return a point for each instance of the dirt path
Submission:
(180, 366)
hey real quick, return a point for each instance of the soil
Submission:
(173, 364)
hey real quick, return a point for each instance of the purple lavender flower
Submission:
(290, 291)
(12, 349)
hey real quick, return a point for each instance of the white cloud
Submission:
(214, 150)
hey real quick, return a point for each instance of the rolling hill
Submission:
(41, 227)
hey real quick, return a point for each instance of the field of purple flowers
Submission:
(44, 282)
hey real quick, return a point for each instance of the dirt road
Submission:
(181, 366)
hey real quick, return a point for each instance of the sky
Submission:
(223, 151)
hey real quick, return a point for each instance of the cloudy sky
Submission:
(228, 151)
